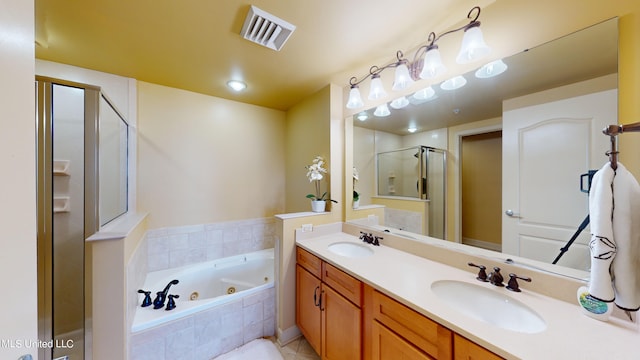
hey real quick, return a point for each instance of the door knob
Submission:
(511, 213)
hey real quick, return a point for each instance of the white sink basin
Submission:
(489, 305)
(349, 249)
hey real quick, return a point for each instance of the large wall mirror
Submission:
(520, 145)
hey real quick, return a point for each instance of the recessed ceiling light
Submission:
(236, 85)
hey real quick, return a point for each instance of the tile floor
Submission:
(298, 349)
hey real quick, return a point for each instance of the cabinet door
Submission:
(464, 349)
(389, 346)
(340, 327)
(308, 315)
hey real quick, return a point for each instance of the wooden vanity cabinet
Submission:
(343, 318)
(328, 308)
(399, 329)
(467, 350)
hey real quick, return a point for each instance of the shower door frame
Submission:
(44, 173)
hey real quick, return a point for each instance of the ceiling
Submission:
(196, 45)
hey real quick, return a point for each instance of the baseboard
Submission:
(288, 335)
(482, 244)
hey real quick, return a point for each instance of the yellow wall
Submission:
(482, 187)
(203, 159)
(307, 135)
(314, 127)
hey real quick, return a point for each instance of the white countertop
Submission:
(407, 278)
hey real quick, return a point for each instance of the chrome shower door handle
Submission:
(510, 213)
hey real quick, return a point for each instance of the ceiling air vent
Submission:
(265, 29)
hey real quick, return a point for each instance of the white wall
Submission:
(18, 313)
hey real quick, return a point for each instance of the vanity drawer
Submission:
(309, 261)
(427, 335)
(343, 283)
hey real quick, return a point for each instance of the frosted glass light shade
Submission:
(473, 46)
(491, 69)
(377, 90)
(403, 79)
(425, 93)
(355, 100)
(382, 111)
(433, 65)
(454, 83)
(399, 103)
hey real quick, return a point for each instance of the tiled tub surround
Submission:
(210, 333)
(178, 246)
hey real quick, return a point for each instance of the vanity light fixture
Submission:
(377, 89)
(425, 94)
(355, 100)
(236, 85)
(382, 111)
(426, 63)
(399, 103)
(362, 116)
(455, 82)
(491, 69)
(412, 129)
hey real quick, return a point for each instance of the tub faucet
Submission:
(161, 296)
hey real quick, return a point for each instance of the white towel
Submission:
(602, 245)
(614, 211)
(626, 232)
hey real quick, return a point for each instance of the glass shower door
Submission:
(436, 191)
(65, 118)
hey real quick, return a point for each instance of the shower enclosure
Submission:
(416, 173)
(82, 155)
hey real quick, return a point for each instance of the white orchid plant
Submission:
(315, 173)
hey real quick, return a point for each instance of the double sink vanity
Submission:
(355, 300)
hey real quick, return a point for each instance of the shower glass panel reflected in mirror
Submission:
(113, 137)
(416, 173)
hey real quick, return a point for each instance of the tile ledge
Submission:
(300, 214)
(119, 228)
